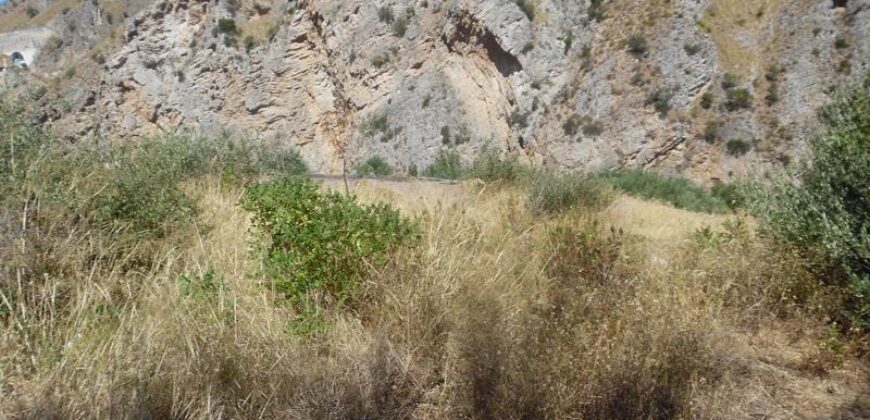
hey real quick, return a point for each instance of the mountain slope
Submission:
(566, 83)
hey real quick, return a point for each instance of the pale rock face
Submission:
(340, 84)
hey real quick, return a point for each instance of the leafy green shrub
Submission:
(322, 240)
(679, 192)
(551, 193)
(660, 99)
(386, 15)
(201, 286)
(596, 10)
(692, 48)
(824, 212)
(227, 26)
(730, 193)
(637, 45)
(737, 147)
(32, 11)
(490, 166)
(711, 131)
(249, 43)
(447, 165)
(707, 100)
(381, 60)
(571, 125)
(730, 81)
(527, 7)
(400, 26)
(276, 161)
(841, 43)
(738, 99)
(145, 195)
(374, 125)
(374, 166)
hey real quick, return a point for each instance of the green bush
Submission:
(374, 166)
(660, 99)
(386, 15)
(527, 7)
(730, 193)
(679, 192)
(227, 26)
(550, 193)
(730, 81)
(249, 43)
(490, 166)
(823, 212)
(272, 160)
(400, 26)
(738, 147)
(738, 99)
(692, 48)
(637, 45)
(711, 131)
(841, 43)
(322, 241)
(707, 100)
(447, 165)
(596, 10)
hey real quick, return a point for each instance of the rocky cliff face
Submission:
(704, 87)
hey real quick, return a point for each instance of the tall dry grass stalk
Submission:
(497, 314)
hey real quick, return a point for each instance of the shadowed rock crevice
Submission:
(469, 32)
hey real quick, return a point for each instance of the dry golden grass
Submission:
(497, 314)
(737, 29)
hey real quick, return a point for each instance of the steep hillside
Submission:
(703, 87)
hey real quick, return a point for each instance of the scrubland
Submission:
(193, 278)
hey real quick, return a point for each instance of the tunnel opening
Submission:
(839, 4)
(17, 57)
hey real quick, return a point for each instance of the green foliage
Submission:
(738, 147)
(386, 15)
(32, 12)
(201, 286)
(737, 99)
(490, 166)
(841, 43)
(322, 241)
(374, 125)
(400, 26)
(824, 212)
(550, 193)
(381, 60)
(637, 45)
(707, 100)
(447, 165)
(249, 43)
(679, 192)
(596, 10)
(145, 195)
(711, 131)
(133, 185)
(227, 26)
(730, 81)
(571, 125)
(692, 48)
(527, 7)
(660, 99)
(731, 193)
(273, 160)
(374, 166)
